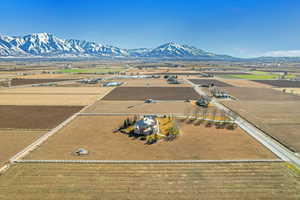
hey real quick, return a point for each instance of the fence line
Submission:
(146, 161)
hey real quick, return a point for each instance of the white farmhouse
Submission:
(146, 126)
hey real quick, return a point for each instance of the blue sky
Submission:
(237, 27)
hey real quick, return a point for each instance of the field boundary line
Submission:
(277, 148)
(124, 114)
(177, 115)
(32, 93)
(98, 99)
(4, 168)
(44, 137)
(35, 84)
(147, 161)
(40, 140)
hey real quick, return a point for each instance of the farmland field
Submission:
(279, 119)
(251, 76)
(50, 76)
(57, 90)
(259, 94)
(156, 93)
(255, 75)
(181, 73)
(17, 82)
(34, 117)
(245, 83)
(217, 73)
(95, 133)
(147, 181)
(281, 83)
(209, 81)
(47, 99)
(91, 70)
(205, 161)
(140, 107)
(289, 90)
(13, 141)
(151, 83)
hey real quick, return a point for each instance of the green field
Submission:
(91, 70)
(256, 75)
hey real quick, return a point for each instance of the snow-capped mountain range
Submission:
(44, 44)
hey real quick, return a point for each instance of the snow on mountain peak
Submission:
(45, 44)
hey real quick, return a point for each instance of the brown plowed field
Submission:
(228, 73)
(176, 73)
(47, 99)
(156, 93)
(279, 119)
(51, 76)
(13, 141)
(209, 181)
(280, 83)
(57, 90)
(35, 117)
(245, 83)
(209, 81)
(16, 81)
(95, 133)
(151, 83)
(199, 73)
(260, 94)
(140, 107)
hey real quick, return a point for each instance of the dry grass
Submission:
(95, 133)
(245, 83)
(151, 83)
(209, 81)
(279, 119)
(51, 76)
(13, 141)
(289, 90)
(32, 99)
(156, 93)
(147, 181)
(259, 94)
(140, 107)
(57, 90)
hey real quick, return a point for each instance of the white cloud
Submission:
(288, 53)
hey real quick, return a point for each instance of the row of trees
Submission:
(210, 117)
(209, 113)
(128, 122)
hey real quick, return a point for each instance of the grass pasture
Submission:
(260, 94)
(95, 133)
(47, 99)
(171, 107)
(12, 141)
(92, 70)
(156, 93)
(279, 119)
(147, 181)
(257, 75)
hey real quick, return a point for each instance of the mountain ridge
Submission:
(45, 44)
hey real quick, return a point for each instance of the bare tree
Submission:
(204, 113)
(214, 114)
(187, 113)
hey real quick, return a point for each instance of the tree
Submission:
(125, 124)
(204, 113)
(214, 114)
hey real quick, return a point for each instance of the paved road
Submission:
(274, 146)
